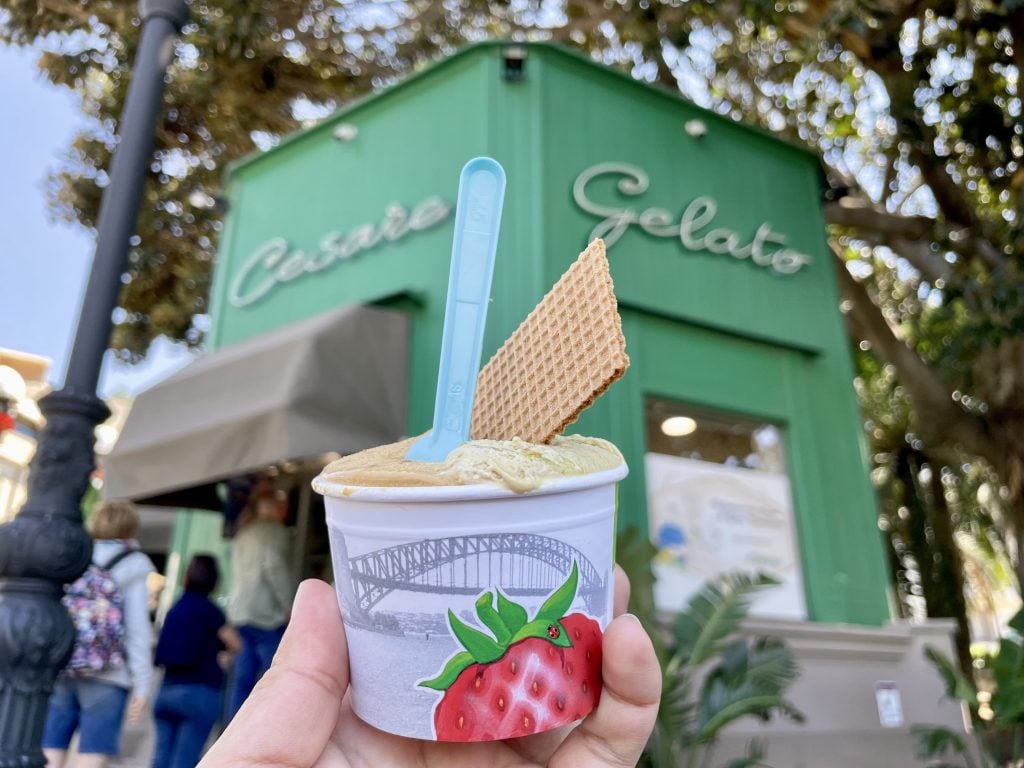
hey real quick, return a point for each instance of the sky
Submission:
(44, 264)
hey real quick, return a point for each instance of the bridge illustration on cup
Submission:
(524, 564)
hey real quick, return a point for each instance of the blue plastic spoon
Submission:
(477, 221)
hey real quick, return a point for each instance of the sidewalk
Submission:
(138, 741)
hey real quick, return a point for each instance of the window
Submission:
(719, 500)
(676, 430)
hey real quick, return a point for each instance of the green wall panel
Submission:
(843, 567)
(315, 184)
(592, 116)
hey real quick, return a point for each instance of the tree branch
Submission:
(947, 194)
(666, 77)
(77, 12)
(958, 212)
(1015, 22)
(901, 83)
(939, 420)
(909, 236)
(861, 215)
(933, 267)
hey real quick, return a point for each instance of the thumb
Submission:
(614, 734)
(292, 712)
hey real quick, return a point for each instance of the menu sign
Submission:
(708, 519)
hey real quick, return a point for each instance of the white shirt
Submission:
(262, 586)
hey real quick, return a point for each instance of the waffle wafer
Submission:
(562, 357)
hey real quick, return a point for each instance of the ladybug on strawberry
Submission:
(527, 676)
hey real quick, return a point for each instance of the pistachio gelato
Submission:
(515, 464)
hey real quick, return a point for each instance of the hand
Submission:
(299, 715)
(136, 706)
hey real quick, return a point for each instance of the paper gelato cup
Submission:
(473, 613)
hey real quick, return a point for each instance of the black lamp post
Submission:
(45, 546)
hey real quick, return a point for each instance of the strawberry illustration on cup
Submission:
(526, 676)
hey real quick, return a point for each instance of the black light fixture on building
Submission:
(514, 63)
(46, 546)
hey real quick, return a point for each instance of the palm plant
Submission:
(713, 674)
(995, 702)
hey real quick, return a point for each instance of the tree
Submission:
(947, 548)
(913, 106)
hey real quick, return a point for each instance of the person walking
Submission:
(194, 635)
(262, 589)
(110, 673)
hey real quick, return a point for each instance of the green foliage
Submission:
(713, 676)
(935, 741)
(245, 74)
(747, 682)
(995, 702)
(512, 615)
(741, 677)
(635, 553)
(1008, 676)
(714, 614)
(958, 685)
(944, 512)
(753, 758)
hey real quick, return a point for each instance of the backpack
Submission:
(96, 606)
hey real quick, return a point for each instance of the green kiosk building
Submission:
(737, 416)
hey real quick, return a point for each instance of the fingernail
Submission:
(633, 617)
(300, 592)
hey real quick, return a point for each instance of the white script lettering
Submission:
(275, 262)
(766, 248)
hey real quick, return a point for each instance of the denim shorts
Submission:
(94, 709)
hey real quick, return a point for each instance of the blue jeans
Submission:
(258, 649)
(95, 709)
(184, 714)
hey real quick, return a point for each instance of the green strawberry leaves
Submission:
(493, 619)
(543, 628)
(513, 614)
(509, 623)
(558, 603)
(456, 664)
(481, 647)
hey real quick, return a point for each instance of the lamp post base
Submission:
(42, 549)
(30, 610)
